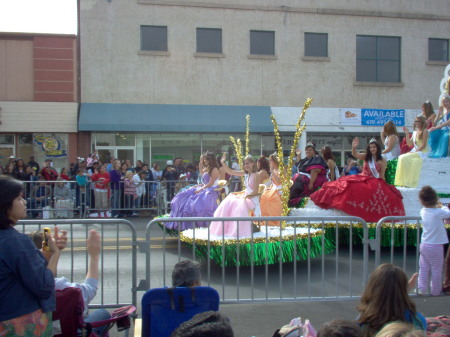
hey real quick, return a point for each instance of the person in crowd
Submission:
(62, 191)
(446, 285)
(312, 173)
(30, 178)
(192, 172)
(90, 285)
(240, 204)
(333, 170)
(150, 187)
(9, 170)
(34, 164)
(235, 182)
(364, 195)
(64, 174)
(139, 182)
(199, 200)
(271, 204)
(116, 179)
(439, 133)
(263, 169)
(27, 279)
(40, 197)
(110, 165)
(19, 170)
(130, 194)
(178, 165)
(157, 173)
(222, 173)
(351, 167)
(434, 237)
(101, 188)
(385, 299)
(340, 328)
(48, 172)
(129, 165)
(186, 273)
(170, 175)
(389, 137)
(83, 197)
(91, 159)
(400, 329)
(205, 324)
(138, 167)
(181, 183)
(410, 164)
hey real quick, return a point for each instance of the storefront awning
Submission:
(172, 118)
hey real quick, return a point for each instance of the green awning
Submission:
(102, 117)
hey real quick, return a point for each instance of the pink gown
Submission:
(236, 205)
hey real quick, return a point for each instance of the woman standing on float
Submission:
(238, 204)
(365, 195)
(199, 200)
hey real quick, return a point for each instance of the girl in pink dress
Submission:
(238, 204)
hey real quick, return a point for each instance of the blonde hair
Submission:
(252, 160)
(129, 174)
(400, 329)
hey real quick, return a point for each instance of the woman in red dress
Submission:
(365, 195)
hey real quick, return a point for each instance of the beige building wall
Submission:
(115, 71)
(38, 117)
(16, 69)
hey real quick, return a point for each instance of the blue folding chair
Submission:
(164, 309)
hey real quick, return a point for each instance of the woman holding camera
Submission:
(26, 279)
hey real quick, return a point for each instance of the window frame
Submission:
(305, 45)
(252, 54)
(448, 49)
(378, 59)
(166, 50)
(204, 29)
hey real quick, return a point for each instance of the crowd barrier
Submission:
(66, 199)
(331, 258)
(118, 249)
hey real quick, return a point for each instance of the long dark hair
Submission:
(264, 164)
(385, 298)
(369, 154)
(327, 153)
(212, 162)
(11, 189)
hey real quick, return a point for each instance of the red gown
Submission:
(361, 195)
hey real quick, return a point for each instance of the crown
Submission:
(310, 144)
(373, 140)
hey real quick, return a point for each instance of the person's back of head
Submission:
(205, 324)
(186, 273)
(400, 329)
(340, 328)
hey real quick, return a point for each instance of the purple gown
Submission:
(188, 204)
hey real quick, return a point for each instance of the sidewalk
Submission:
(262, 319)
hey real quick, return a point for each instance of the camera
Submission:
(81, 160)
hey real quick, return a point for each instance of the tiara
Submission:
(310, 144)
(373, 140)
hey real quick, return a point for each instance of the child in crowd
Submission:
(340, 328)
(130, 193)
(434, 237)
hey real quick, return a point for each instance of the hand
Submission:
(298, 151)
(52, 243)
(355, 142)
(60, 238)
(93, 243)
(432, 129)
(405, 129)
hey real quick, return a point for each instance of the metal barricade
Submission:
(337, 274)
(118, 259)
(396, 238)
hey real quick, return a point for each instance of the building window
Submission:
(262, 42)
(377, 58)
(209, 40)
(316, 44)
(154, 38)
(438, 50)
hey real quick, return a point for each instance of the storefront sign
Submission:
(380, 117)
(372, 117)
(50, 146)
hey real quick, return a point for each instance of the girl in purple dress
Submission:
(199, 200)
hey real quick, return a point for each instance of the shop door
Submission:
(126, 153)
(105, 154)
(5, 153)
